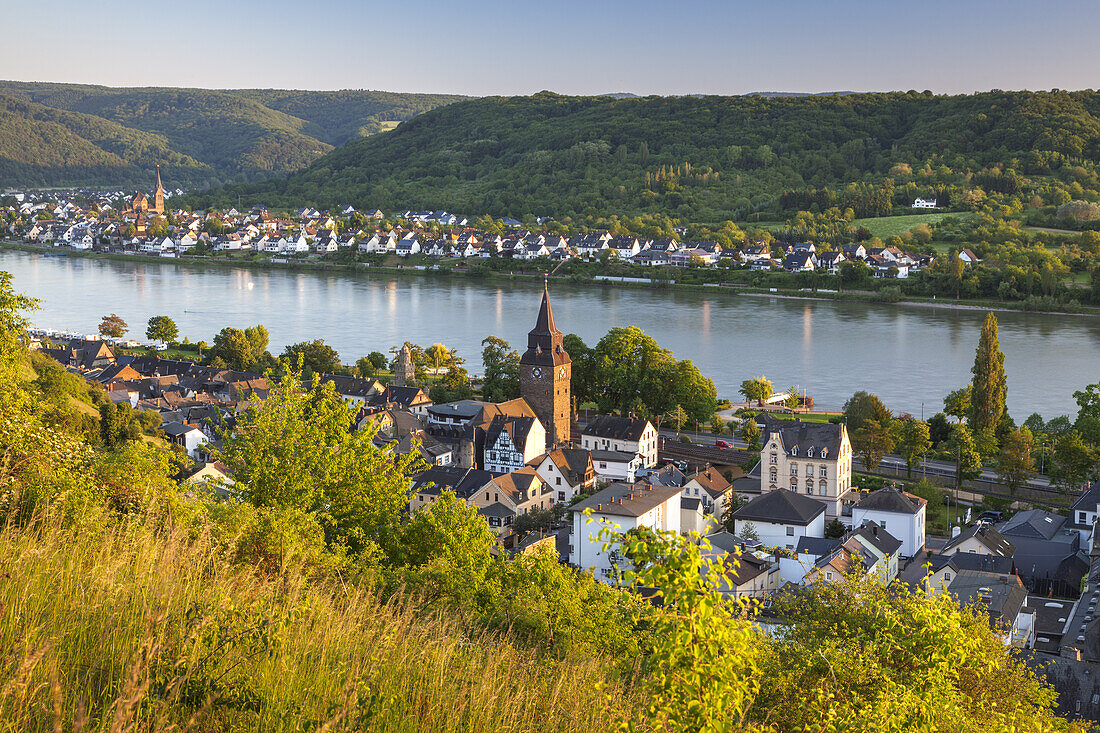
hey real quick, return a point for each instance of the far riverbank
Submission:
(734, 289)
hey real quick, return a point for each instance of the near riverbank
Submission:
(490, 275)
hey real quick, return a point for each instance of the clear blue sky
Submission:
(574, 47)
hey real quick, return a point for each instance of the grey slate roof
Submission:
(969, 561)
(889, 499)
(781, 506)
(616, 428)
(627, 500)
(1034, 524)
(817, 546)
(990, 537)
(805, 435)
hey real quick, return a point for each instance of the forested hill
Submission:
(64, 134)
(699, 158)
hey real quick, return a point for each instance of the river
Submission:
(910, 356)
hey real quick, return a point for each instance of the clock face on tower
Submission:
(536, 373)
(561, 372)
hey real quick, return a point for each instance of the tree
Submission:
(580, 370)
(364, 368)
(112, 326)
(957, 403)
(939, 428)
(1073, 462)
(835, 529)
(455, 385)
(863, 406)
(1015, 462)
(312, 357)
(792, 402)
(717, 426)
(968, 462)
(377, 359)
(913, 442)
(756, 388)
(750, 432)
(161, 328)
(1088, 414)
(437, 356)
(501, 363)
(233, 348)
(872, 442)
(956, 271)
(987, 400)
(296, 452)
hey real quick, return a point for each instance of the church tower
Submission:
(544, 373)
(158, 195)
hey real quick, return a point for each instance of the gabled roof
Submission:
(879, 538)
(984, 533)
(521, 485)
(517, 428)
(462, 481)
(712, 481)
(805, 435)
(972, 561)
(816, 546)
(781, 506)
(616, 428)
(1034, 524)
(573, 464)
(890, 499)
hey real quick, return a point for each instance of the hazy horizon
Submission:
(490, 48)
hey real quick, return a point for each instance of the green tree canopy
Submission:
(312, 357)
(501, 363)
(863, 406)
(987, 400)
(161, 328)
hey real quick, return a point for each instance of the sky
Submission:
(491, 47)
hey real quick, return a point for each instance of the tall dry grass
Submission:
(138, 628)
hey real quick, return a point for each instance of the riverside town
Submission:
(712, 389)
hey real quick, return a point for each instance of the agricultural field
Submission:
(891, 226)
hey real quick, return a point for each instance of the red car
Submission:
(722, 444)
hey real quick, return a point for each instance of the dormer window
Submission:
(794, 450)
(810, 453)
(824, 452)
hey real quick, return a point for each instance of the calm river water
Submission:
(907, 355)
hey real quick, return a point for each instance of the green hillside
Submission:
(697, 158)
(206, 136)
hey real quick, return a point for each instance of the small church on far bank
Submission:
(140, 203)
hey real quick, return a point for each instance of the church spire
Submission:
(545, 322)
(159, 186)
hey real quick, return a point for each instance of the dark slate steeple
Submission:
(544, 341)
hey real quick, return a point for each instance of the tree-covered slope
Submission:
(701, 158)
(232, 134)
(44, 146)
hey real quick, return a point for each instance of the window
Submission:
(824, 472)
(947, 577)
(557, 481)
(774, 459)
(794, 450)
(809, 470)
(794, 484)
(794, 469)
(561, 496)
(775, 477)
(809, 487)
(790, 531)
(824, 452)
(810, 453)
(1081, 518)
(828, 575)
(603, 465)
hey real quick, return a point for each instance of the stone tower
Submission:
(544, 373)
(158, 195)
(404, 372)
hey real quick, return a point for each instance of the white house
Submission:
(924, 203)
(616, 465)
(779, 518)
(189, 437)
(622, 434)
(900, 513)
(619, 508)
(567, 471)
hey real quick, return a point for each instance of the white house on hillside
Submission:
(620, 508)
(899, 513)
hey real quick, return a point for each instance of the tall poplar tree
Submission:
(987, 399)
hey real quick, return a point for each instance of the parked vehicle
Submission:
(722, 444)
(989, 516)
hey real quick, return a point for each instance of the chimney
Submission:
(956, 531)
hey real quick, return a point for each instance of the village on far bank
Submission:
(783, 513)
(114, 222)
